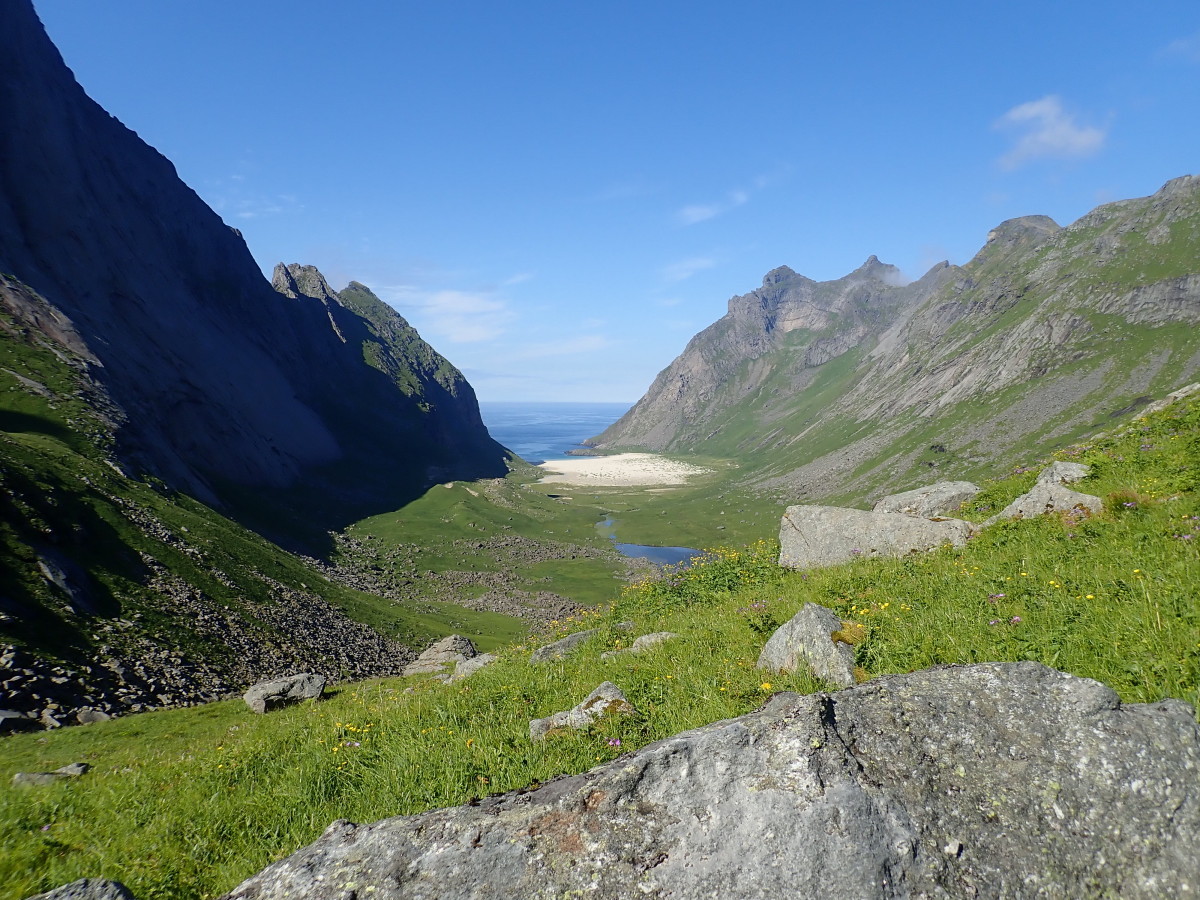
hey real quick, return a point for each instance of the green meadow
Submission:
(187, 803)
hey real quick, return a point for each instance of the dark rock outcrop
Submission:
(993, 780)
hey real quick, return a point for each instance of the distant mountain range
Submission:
(845, 389)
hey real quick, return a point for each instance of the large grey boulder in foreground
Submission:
(268, 695)
(934, 500)
(827, 535)
(994, 780)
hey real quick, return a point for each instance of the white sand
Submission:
(622, 470)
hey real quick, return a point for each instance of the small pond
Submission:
(660, 556)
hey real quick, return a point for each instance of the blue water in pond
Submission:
(662, 556)
(537, 432)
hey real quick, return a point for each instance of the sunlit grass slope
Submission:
(187, 803)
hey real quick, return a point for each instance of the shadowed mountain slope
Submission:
(222, 382)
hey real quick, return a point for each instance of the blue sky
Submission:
(559, 195)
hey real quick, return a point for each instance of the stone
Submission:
(14, 720)
(72, 770)
(642, 644)
(561, 648)
(1063, 473)
(441, 657)
(1047, 498)
(91, 716)
(606, 700)
(280, 692)
(87, 889)
(468, 667)
(936, 500)
(807, 640)
(988, 780)
(812, 536)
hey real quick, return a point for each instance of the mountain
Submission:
(222, 383)
(844, 389)
(154, 388)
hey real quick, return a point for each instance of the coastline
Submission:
(620, 470)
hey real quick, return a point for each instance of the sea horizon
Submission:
(542, 430)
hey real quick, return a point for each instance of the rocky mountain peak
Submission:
(296, 280)
(780, 275)
(879, 271)
(1022, 227)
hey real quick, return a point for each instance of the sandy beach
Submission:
(622, 470)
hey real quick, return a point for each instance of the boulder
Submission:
(269, 695)
(71, 770)
(807, 639)
(927, 502)
(827, 535)
(642, 644)
(468, 667)
(1063, 473)
(441, 657)
(88, 889)
(1045, 498)
(606, 700)
(989, 780)
(561, 648)
(89, 716)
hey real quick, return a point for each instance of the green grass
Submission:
(187, 803)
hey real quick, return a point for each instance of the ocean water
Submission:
(538, 432)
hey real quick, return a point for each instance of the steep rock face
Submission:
(995, 780)
(846, 388)
(221, 379)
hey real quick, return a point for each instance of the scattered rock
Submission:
(88, 889)
(1047, 498)
(936, 500)
(441, 658)
(990, 780)
(89, 716)
(270, 695)
(808, 639)
(1063, 473)
(561, 648)
(468, 667)
(606, 700)
(72, 770)
(642, 644)
(827, 535)
(13, 720)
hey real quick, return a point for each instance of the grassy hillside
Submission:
(186, 803)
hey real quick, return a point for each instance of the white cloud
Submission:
(1186, 49)
(686, 268)
(1047, 131)
(702, 212)
(460, 317)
